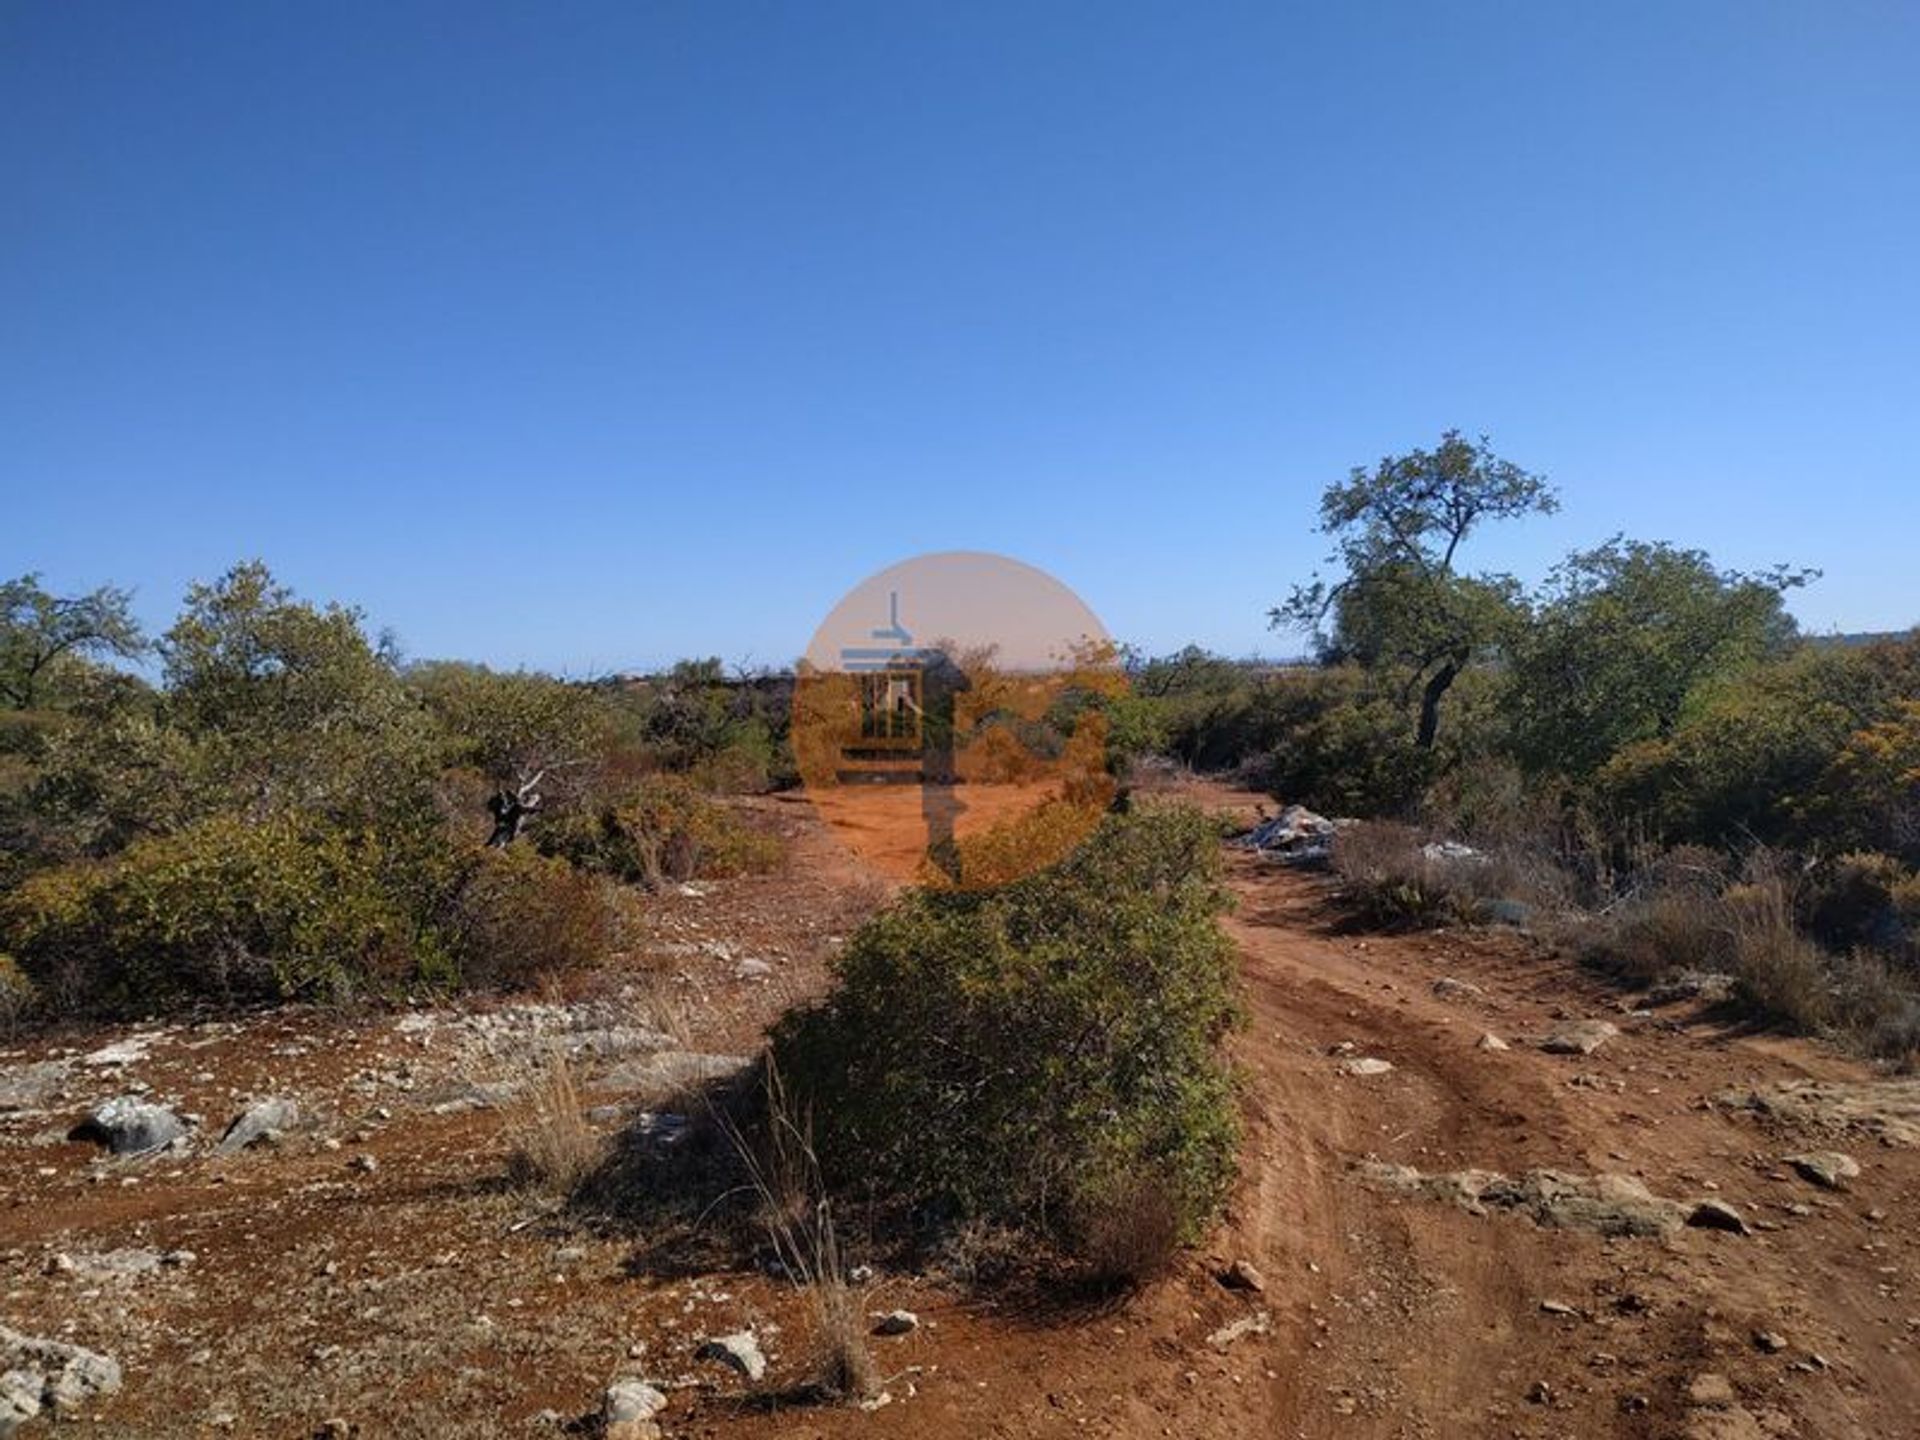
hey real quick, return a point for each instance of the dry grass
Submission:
(1781, 971)
(1647, 937)
(1393, 885)
(553, 1147)
(796, 1215)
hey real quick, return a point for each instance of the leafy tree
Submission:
(39, 629)
(291, 705)
(1626, 636)
(1402, 604)
(521, 730)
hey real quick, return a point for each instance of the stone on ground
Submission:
(739, 1352)
(1579, 1037)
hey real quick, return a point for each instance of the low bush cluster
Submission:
(659, 829)
(294, 813)
(233, 911)
(1045, 1055)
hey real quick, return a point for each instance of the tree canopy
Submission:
(1402, 603)
(39, 630)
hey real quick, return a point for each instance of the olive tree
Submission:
(530, 735)
(1402, 604)
(39, 629)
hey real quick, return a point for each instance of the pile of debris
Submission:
(1296, 836)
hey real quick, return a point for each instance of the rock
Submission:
(1709, 986)
(1579, 1037)
(1710, 1391)
(1557, 1307)
(1448, 988)
(1607, 1204)
(615, 1041)
(1771, 1341)
(49, 1376)
(259, 1122)
(1717, 1215)
(468, 1095)
(128, 1125)
(1490, 1041)
(1540, 1393)
(1365, 1065)
(1888, 1110)
(30, 1088)
(739, 1351)
(365, 1164)
(896, 1322)
(1829, 1169)
(672, 1070)
(1443, 851)
(123, 1264)
(1254, 1324)
(121, 1052)
(752, 969)
(20, 1392)
(1241, 1275)
(629, 1408)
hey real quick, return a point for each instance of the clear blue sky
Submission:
(586, 335)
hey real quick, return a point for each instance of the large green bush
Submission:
(282, 908)
(226, 910)
(1038, 1054)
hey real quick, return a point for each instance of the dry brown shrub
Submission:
(553, 1146)
(1127, 1232)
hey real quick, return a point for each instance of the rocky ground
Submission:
(1482, 1195)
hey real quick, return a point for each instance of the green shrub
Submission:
(517, 915)
(229, 910)
(1024, 1055)
(659, 829)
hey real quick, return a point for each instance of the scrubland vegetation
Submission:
(1642, 760)
(1654, 765)
(293, 811)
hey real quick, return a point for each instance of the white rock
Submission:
(1829, 1169)
(739, 1351)
(628, 1400)
(128, 1125)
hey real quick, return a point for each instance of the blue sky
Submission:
(588, 335)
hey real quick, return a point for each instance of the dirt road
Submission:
(423, 1297)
